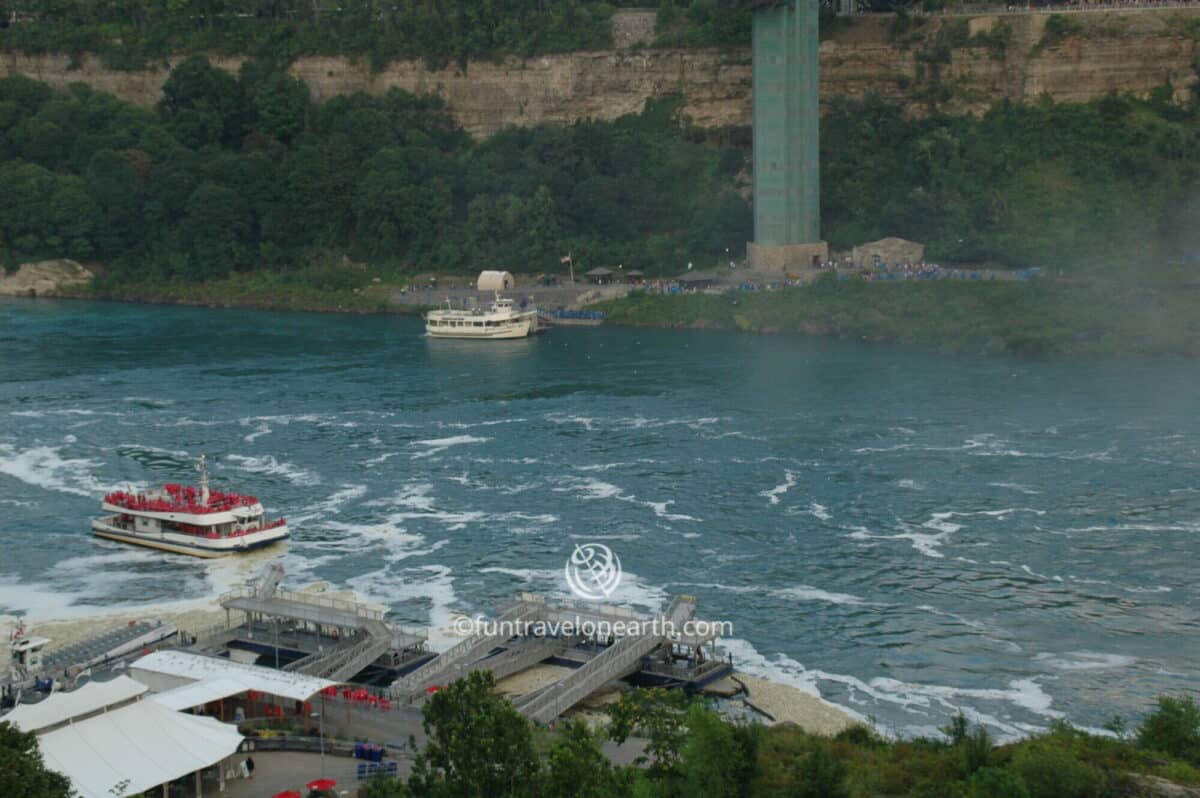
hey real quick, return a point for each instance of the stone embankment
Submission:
(44, 278)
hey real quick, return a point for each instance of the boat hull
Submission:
(186, 544)
(520, 329)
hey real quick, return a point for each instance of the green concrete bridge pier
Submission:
(787, 179)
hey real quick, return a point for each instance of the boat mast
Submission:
(203, 481)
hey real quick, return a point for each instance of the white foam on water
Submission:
(45, 467)
(1034, 573)
(414, 495)
(806, 593)
(1085, 661)
(660, 509)
(900, 447)
(736, 434)
(177, 454)
(909, 484)
(438, 445)
(551, 578)
(395, 538)
(383, 458)
(149, 401)
(592, 489)
(471, 425)
(773, 494)
(331, 505)
(267, 464)
(1184, 527)
(427, 583)
(259, 431)
(63, 412)
(1017, 486)
(819, 511)
(560, 418)
(925, 543)
(795, 593)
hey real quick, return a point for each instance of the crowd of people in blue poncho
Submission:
(927, 271)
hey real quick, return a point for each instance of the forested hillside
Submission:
(127, 33)
(236, 174)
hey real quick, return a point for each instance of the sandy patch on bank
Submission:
(66, 632)
(787, 704)
(527, 681)
(44, 278)
(195, 618)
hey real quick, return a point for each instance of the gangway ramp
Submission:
(343, 662)
(458, 659)
(620, 659)
(617, 661)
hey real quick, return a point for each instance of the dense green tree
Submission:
(658, 715)
(203, 105)
(576, 767)
(281, 104)
(711, 760)
(479, 746)
(23, 774)
(1173, 728)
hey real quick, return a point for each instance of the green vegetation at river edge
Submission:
(1043, 316)
(479, 746)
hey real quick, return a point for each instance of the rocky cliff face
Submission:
(963, 64)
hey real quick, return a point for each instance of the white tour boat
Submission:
(501, 320)
(188, 520)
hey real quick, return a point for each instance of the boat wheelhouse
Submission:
(502, 320)
(189, 520)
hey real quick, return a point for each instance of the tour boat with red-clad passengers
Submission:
(188, 520)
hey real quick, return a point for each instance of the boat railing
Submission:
(311, 599)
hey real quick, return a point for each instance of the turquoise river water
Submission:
(906, 533)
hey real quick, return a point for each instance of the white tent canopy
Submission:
(61, 707)
(199, 693)
(145, 744)
(166, 670)
(495, 281)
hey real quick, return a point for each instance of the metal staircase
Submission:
(344, 662)
(270, 581)
(619, 659)
(458, 659)
(507, 662)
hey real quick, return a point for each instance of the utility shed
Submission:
(495, 281)
(888, 250)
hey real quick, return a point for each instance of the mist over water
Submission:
(904, 532)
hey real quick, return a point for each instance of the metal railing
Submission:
(619, 659)
(465, 651)
(310, 599)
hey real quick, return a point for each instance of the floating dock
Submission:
(330, 638)
(661, 651)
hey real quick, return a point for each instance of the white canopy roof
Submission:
(61, 707)
(144, 743)
(199, 693)
(196, 667)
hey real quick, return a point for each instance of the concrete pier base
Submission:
(780, 258)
